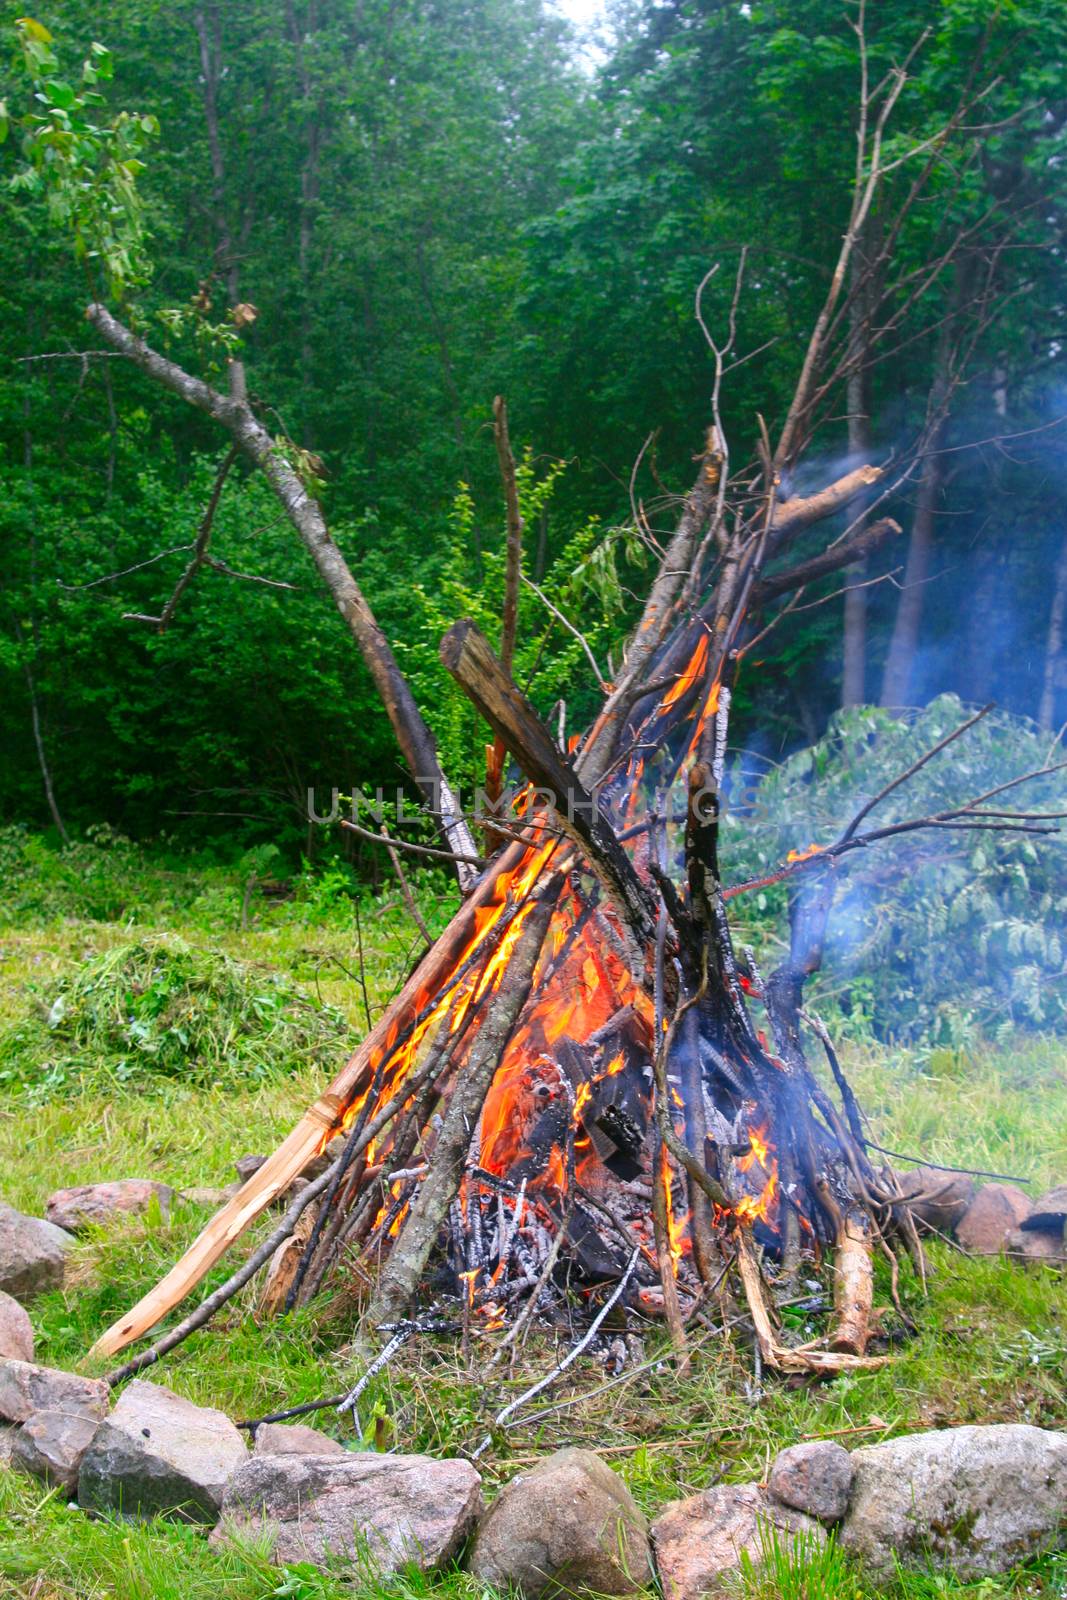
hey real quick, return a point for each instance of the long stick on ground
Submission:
(411, 1251)
(314, 1129)
(226, 1291)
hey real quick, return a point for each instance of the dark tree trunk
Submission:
(904, 644)
(858, 402)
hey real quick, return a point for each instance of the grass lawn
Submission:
(77, 1104)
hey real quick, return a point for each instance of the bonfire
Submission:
(585, 1096)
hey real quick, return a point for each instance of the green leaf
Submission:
(61, 93)
(34, 29)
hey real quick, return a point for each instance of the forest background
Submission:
(419, 206)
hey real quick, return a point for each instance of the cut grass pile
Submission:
(991, 1345)
(156, 1006)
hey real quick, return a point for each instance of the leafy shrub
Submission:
(933, 935)
(583, 581)
(157, 1008)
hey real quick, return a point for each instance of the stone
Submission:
(16, 1330)
(996, 1209)
(1036, 1248)
(1050, 1211)
(97, 1204)
(294, 1439)
(8, 1434)
(980, 1500)
(26, 1389)
(569, 1524)
(699, 1542)
(33, 1254)
(247, 1166)
(322, 1509)
(948, 1196)
(158, 1453)
(326, 1158)
(813, 1477)
(51, 1446)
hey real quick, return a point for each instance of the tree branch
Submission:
(831, 560)
(304, 512)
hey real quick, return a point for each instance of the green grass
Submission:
(992, 1340)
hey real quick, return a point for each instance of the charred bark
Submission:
(409, 1254)
(468, 657)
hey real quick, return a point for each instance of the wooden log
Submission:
(830, 560)
(783, 1358)
(407, 1259)
(468, 656)
(283, 1265)
(790, 516)
(853, 1284)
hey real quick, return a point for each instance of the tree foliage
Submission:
(394, 211)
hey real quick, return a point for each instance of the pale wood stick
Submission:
(310, 1135)
(853, 1284)
(781, 1357)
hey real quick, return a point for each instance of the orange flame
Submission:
(759, 1208)
(805, 855)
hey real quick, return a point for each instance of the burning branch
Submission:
(467, 655)
(438, 1189)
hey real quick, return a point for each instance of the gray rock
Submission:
(979, 1499)
(294, 1439)
(1036, 1248)
(996, 1209)
(571, 1524)
(97, 1204)
(699, 1542)
(813, 1477)
(32, 1254)
(51, 1446)
(1050, 1211)
(8, 1434)
(247, 1166)
(16, 1330)
(325, 1158)
(25, 1389)
(324, 1508)
(160, 1453)
(937, 1200)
